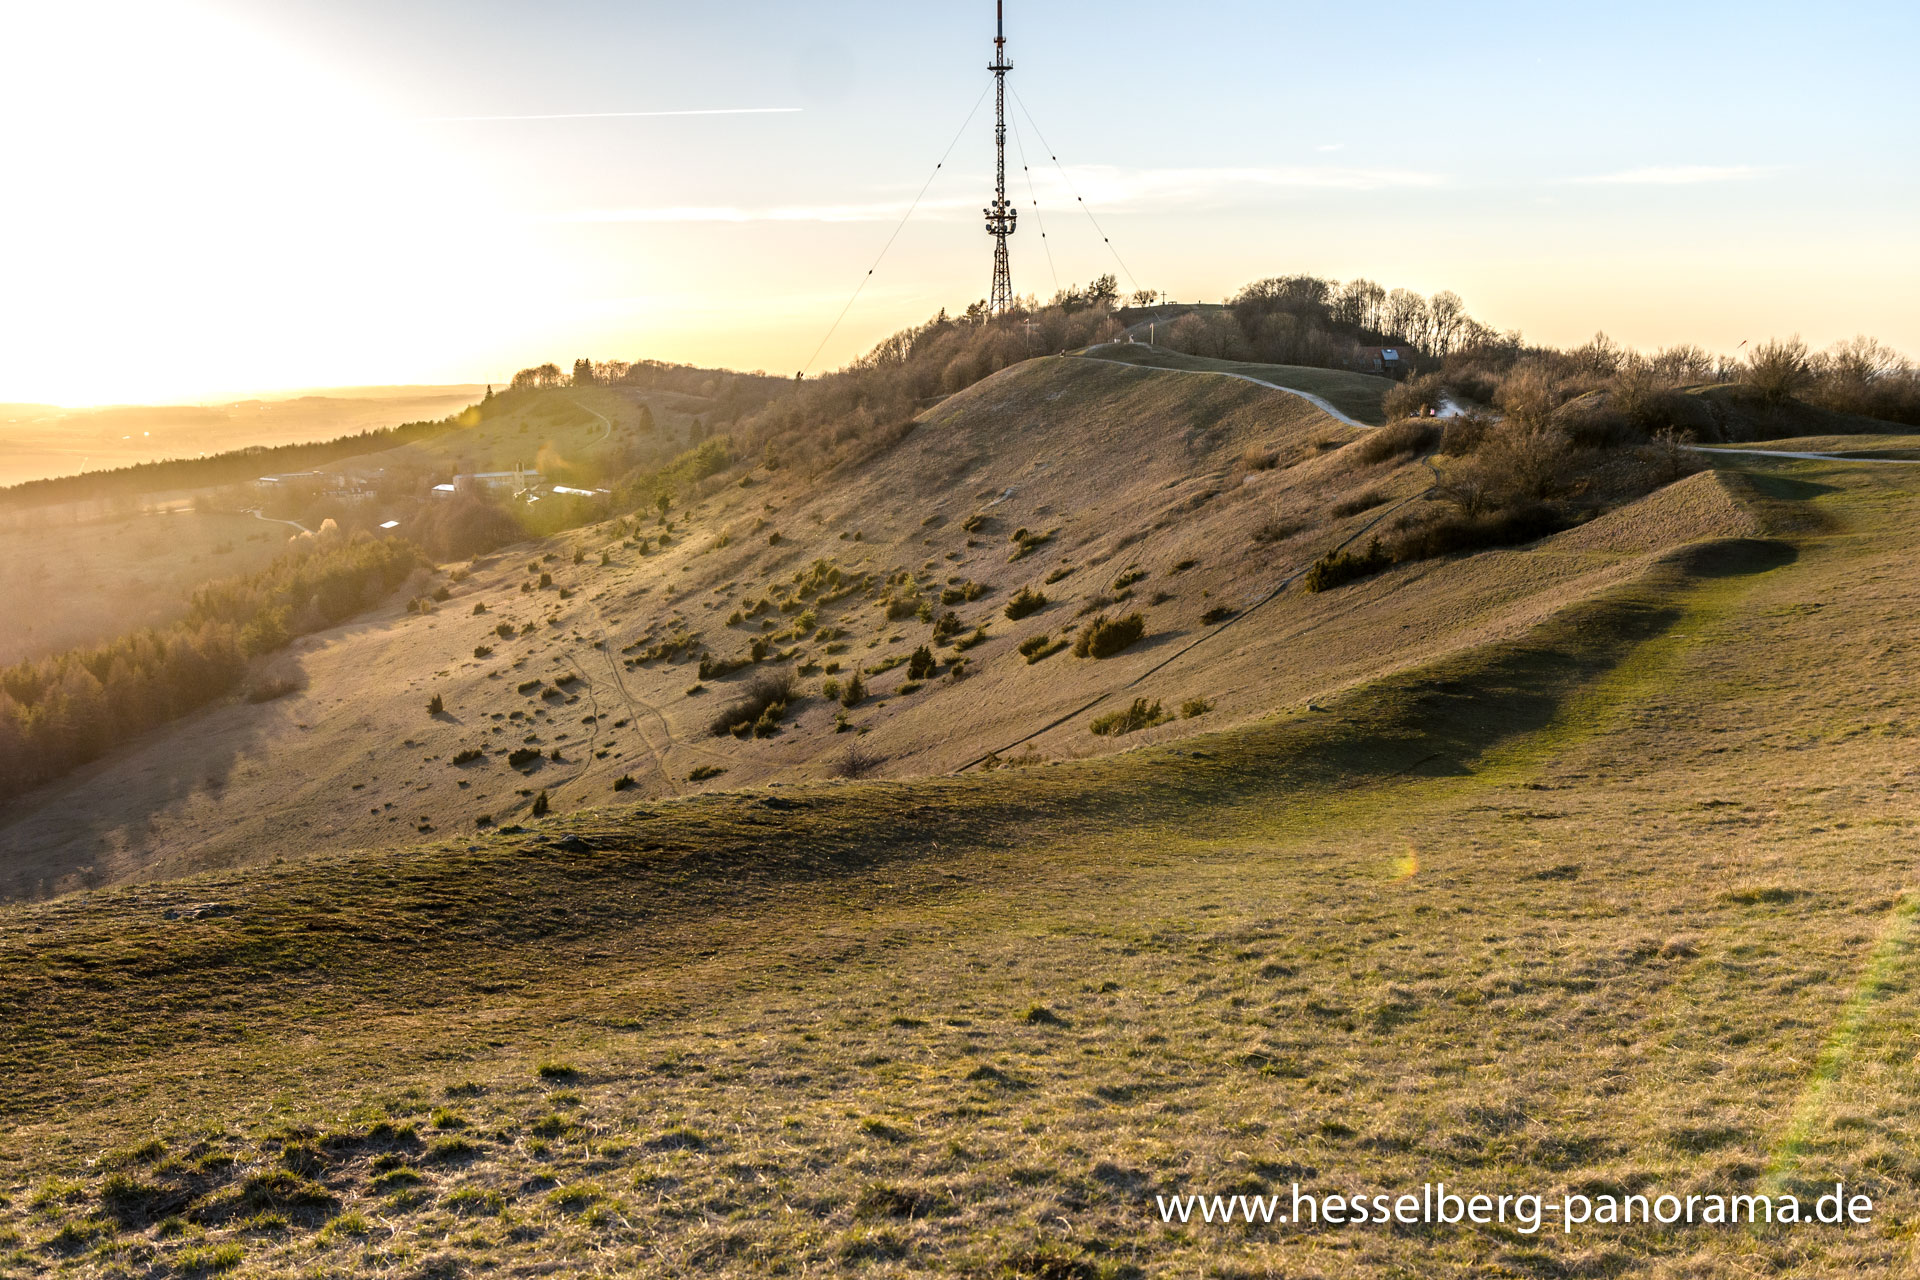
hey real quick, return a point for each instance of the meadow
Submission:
(1620, 902)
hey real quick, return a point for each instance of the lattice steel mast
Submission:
(1000, 214)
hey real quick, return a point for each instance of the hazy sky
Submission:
(226, 196)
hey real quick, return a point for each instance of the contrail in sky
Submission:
(618, 115)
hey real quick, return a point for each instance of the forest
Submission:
(63, 711)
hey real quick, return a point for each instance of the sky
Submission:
(216, 198)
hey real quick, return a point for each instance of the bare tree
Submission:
(1360, 304)
(1445, 315)
(1407, 317)
(1778, 369)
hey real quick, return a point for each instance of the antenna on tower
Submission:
(1001, 215)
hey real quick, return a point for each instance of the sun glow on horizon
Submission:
(210, 200)
(201, 212)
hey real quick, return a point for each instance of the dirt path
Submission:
(1318, 402)
(1786, 453)
(255, 513)
(606, 426)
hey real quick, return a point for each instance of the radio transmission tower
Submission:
(1000, 214)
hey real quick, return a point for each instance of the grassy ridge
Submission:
(1358, 395)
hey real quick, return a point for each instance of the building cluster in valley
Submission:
(365, 485)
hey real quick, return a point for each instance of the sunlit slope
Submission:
(1190, 501)
(1619, 902)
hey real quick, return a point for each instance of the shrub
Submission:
(266, 688)
(1046, 650)
(468, 756)
(520, 757)
(702, 772)
(1462, 434)
(922, 664)
(762, 702)
(479, 608)
(623, 782)
(855, 691)
(1277, 530)
(855, 762)
(1779, 369)
(1026, 602)
(1337, 567)
(1141, 715)
(963, 592)
(541, 805)
(1452, 532)
(1193, 707)
(483, 651)
(1359, 502)
(504, 631)
(1401, 440)
(1531, 392)
(1025, 542)
(1104, 637)
(1411, 398)
(1034, 644)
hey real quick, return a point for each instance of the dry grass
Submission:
(1624, 902)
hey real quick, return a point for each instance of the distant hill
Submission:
(42, 442)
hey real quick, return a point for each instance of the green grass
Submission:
(1358, 395)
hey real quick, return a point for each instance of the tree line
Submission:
(60, 712)
(230, 467)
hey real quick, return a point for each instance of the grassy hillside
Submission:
(1191, 502)
(1619, 899)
